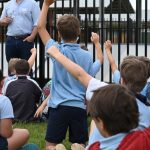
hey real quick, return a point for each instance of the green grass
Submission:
(37, 133)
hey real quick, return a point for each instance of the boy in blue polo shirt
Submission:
(66, 103)
(145, 93)
(129, 77)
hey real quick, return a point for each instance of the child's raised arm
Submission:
(95, 40)
(44, 35)
(31, 60)
(111, 60)
(75, 70)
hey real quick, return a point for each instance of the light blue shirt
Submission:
(24, 16)
(6, 110)
(65, 89)
(144, 121)
(116, 76)
(144, 112)
(96, 67)
(146, 90)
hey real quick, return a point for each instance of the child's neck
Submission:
(74, 41)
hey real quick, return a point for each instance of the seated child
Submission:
(11, 139)
(11, 67)
(23, 92)
(144, 95)
(116, 120)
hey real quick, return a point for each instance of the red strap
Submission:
(95, 146)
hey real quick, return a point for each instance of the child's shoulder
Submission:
(4, 101)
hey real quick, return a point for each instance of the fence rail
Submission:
(116, 20)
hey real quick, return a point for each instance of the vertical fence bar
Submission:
(41, 58)
(76, 8)
(86, 24)
(110, 30)
(94, 29)
(70, 6)
(119, 31)
(128, 29)
(62, 7)
(146, 6)
(102, 34)
(2, 45)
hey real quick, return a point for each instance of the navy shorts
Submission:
(3, 143)
(67, 117)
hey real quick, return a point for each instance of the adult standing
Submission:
(20, 17)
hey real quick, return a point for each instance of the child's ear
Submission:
(99, 123)
(122, 81)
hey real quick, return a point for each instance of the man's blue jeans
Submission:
(17, 48)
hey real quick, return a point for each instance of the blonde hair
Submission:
(11, 65)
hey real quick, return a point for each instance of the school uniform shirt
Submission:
(96, 67)
(24, 94)
(6, 110)
(144, 111)
(65, 89)
(24, 16)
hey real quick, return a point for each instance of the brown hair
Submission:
(22, 67)
(147, 63)
(11, 65)
(68, 27)
(134, 74)
(116, 107)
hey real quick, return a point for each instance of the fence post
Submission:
(41, 58)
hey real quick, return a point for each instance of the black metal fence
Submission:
(124, 22)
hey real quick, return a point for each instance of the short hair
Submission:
(116, 106)
(68, 27)
(11, 65)
(134, 73)
(22, 67)
(147, 63)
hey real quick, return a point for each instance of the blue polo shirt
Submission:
(6, 110)
(144, 115)
(65, 89)
(24, 16)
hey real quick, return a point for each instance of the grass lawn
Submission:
(37, 134)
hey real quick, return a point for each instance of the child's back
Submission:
(66, 90)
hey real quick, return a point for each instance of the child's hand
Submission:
(33, 50)
(49, 2)
(95, 38)
(108, 45)
(39, 112)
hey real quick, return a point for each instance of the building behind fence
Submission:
(128, 28)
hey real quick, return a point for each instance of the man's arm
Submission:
(44, 35)
(5, 21)
(32, 36)
(95, 40)
(75, 70)
(111, 60)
